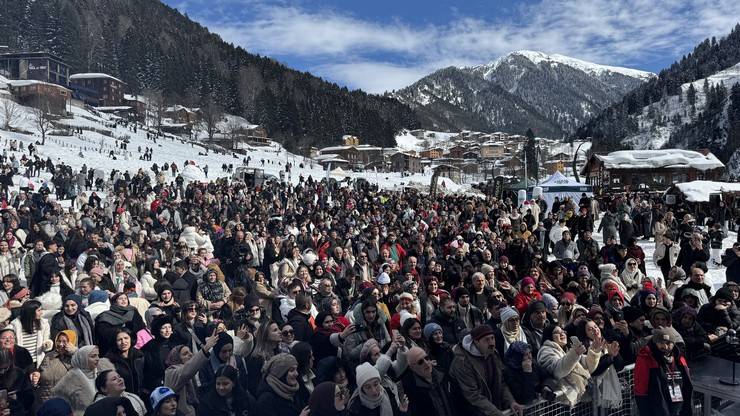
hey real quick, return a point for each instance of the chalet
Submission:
(137, 104)
(433, 153)
(403, 162)
(97, 90)
(491, 149)
(471, 154)
(630, 170)
(357, 156)
(34, 93)
(39, 66)
(456, 152)
(182, 115)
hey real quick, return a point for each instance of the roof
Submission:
(129, 97)
(38, 54)
(113, 108)
(664, 158)
(93, 75)
(699, 191)
(362, 147)
(28, 82)
(179, 107)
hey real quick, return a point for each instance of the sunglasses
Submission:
(422, 360)
(288, 332)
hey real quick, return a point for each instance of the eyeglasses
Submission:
(288, 332)
(632, 264)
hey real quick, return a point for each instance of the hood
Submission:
(469, 346)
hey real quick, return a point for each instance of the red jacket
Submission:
(651, 384)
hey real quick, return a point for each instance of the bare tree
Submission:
(233, 129)
(211, 113)
(42, 117)
(156, 105)
(11, 113)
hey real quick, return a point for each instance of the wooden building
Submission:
(39, 66)
(40, 94)
(403, 162)
(97, 90)
(358, 156)
(433, 153)
(632, 170)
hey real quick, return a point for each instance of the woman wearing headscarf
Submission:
(371, 398)
(109, 384)
(520, 372)
(156, 351)
(327, 337)
(108, 406)
(328, 399)
(127, 360)
(510, 331)
(223, 354)
(78, 386)
(212, 293)
(182, 367)
(74, 317)
(279, 388)
(108, 322)
(226, 397)
(56, 363)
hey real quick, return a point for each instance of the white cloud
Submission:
(379, 56)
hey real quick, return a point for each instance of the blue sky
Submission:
(381, 45)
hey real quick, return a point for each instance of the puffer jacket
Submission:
(569, 369)
(484, 397)
(191, 237)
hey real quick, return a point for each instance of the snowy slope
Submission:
(588, 67)
(92, 148)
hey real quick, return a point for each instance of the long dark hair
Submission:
(29, 323)
(101, 380)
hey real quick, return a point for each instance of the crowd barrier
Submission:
(588, 407)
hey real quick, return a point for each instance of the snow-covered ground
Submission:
(93, 148)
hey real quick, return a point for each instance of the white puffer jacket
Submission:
(194, 240)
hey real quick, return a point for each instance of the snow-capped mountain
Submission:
(552, 94)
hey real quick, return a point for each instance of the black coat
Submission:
(452, 329)
(16, 380)
(155, 353)
(428, 399)
(301, 326)
(46, 266)
(270, 404)
(242, 404)
(651, 384)
(130, 369)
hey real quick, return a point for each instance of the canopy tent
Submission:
(340, 173)
(559, 186)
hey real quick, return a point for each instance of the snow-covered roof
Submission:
(179, 107)
(664, 158)
(699, 191)
(93, 75)
(28, 82)
(130, 97)
(114, 108)
(362, 147)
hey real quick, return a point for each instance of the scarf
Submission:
(84, 326)
(118, 315)
(211, 291)
(608, 390)
(512, 336)
(80, 361)
(384, 401)
(282, 389)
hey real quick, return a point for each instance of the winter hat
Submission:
(631, 313)
(159, 395)
(481, 331)
(152, 313)
(679, 313)
(486, 268)
(676, 273)
(508, 313)
(74, 298)
(383, 279)
(162, 286)
(595, 310)
(458, 292)
(366, 286)
(406, 295)
(404, 316)
(97, 296)
(278, 365)
(583, 273)
(569, 296)
(223, 340)
(526, 282)
(321, 401)
(430, 329)
(251, 301)
(606, 270)
(724, 294)
(55, 407)
(159, 322)
(97, 271)
(663, 335)
(503, 259)
(515, 353)
(660, 310)
(367, 347)
(616, 293)
(364, 373)
(302, 353)
(550, 301)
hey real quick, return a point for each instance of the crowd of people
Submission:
(316, 299)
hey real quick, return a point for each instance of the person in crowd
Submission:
(74, 317)
(113, 405)
(77, 386)
(14, 379)
(446, 317)
(520, 372)
(277, 394)
(662, 379)
(182, 369)
(720, 314)
(510, 330)
(110, 384)
(328, 399)
(56, 363)
(226, 397)
(426, 387)
(163, 402)
(566, 364)
(371, 397)
(120, 315)
(439, 350)
(127, 360)
(156, 351)
(478, 372)
(32, 331)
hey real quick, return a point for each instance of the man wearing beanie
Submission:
(477, 370)
(662, 383)
(535, 321)
(425, 386)
(465, 310)
(720, 314)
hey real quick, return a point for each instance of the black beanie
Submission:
(631, 313)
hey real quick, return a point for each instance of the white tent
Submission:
(339, 172)
(560, 186)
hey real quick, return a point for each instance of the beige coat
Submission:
(179, 378)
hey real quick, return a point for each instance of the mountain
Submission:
(695, 103)
(552, 94)
(154, 47)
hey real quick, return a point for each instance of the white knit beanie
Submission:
(366, 372)
(605, 270)
(508, 313)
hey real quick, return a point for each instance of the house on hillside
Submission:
(137, 104)
(358, 157)
(492, 149)
(631, 170)
(40, 94)
(403, 162)
(183, 115)
(456, 152)
(39, 66)
(433, 153)
(97, 89)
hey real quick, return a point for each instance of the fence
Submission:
(588, 407)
